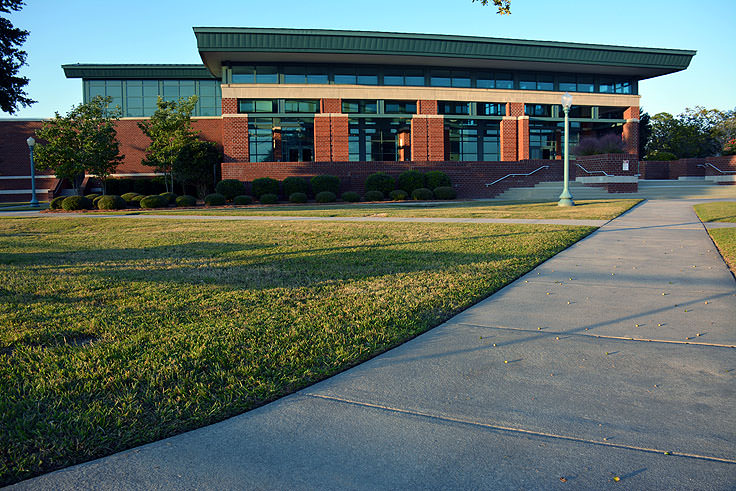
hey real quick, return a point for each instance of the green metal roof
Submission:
(244, 44)
(157, 72)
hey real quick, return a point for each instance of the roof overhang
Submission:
(218, 46)
(157, 72)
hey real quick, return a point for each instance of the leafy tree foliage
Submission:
(645, 132)
(82, 142)
(504, 6)
(12, 58)
(176, 149)
(697, 132)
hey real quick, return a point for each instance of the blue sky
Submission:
(159, 31)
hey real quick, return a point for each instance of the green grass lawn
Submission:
(722, 211)
(118, 333)
(725, 240)
(590, 209)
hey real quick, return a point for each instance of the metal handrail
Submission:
(716, 168)
(515, 175)
(591, 172)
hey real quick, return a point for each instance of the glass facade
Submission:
(429, 77)
(379, 139)
(472, 140)
(281, 139)
(137, 98)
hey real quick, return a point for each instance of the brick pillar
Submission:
(322, 138)
(235, 138)
(522, 136)
(630, 133)
(427, 107)
(419, 138)
(330, 105)
(339, 133)
(515, 109)
(277, 148)
(508, 142)
(435, 138)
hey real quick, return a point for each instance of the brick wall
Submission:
(427, 107)
(508, 142)
(229, 106)
(610, 163)
(331, 105)
(630, 133)
(515, 109)
(419, 145)
(695, 167)
(468, 178)
(522, 136)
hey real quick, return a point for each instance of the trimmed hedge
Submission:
(243, 199)
(55, 203)
(436, 179)
(269, 198)
(422, 194)
(350, 196)
(264, 185)
(380, 181)
(325, 197)
(373, 195)
(398, 195)
(186, 201)
(214, 199)
(72, 203)
(144, 186)
(230, 188)
(129, 196)
(325, 183)
(170, 198)
(445, 192)
(293, 185)
(411, 180)
(154, 201)
(110, 202)
(97, 199)
(92, 196)
(298, 197)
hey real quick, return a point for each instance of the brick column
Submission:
(508, 142)
(330, 105)
(339, 133)
(630, 133)
(435, 138)
(322, 138)
(523, 138)
(427, 107)
(419, 139)
(234, 133)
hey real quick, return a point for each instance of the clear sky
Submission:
(160, 31)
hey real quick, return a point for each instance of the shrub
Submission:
(264, 185)
(129, 196)
(445, 192)
(437, 179)
(421, 194)
(110, 202)
(154, 201)
(55, 203)
(243, 199)
(293, 185)
(350, 196)
(186, 201)
(661, 155)
(325, 183)
(170, 198)
(410, 180)
(97, 200)
(380, 181)
(269, 198)
(373, 196)
(214, 199)
(298, 197)
(398, 195)
(230, 188)
(71, 203)
(144, 186)
(325, 197)
(91, 196)
(609, 143)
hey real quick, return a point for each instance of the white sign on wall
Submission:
(626, 165)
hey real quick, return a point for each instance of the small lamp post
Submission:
(32, 143)
(566, 197)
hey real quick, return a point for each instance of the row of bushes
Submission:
(115, 202)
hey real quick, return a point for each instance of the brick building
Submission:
(302, 102)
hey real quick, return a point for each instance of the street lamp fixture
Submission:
(566, 197)
(32, 143)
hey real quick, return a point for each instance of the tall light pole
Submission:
(32, 143)
(566, 197)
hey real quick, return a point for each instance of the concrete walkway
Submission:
(614, 360)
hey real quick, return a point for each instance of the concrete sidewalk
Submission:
(614, 359)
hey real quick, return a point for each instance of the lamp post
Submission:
(32, 143)
(566, 197)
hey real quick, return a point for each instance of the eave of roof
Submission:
(244, 44)
(149, 71)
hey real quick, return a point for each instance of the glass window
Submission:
(611, 113)
(294, 75)
(266, 75)
(579, 112)
(586, 84)
(318, 75)
(527, 82)
(414, 77)
(452, 107)
(257, 106)
(301, 106)
(485, 81)
(244, 74)
(364, 107)
(297, 140)
(400, 107)
(623, 87)
(260, 139)
(460, 79)
(567, 83)
(462, 140)
(440, 78)
(538, 110)
(489, 141)
(345, 76)
(605, 86)
(491, 109)
(367, 77)
(545, 81)
(504, 81)
(393, 77)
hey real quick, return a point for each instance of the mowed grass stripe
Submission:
(115, 334)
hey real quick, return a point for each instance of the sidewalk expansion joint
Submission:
(548, 332)
(520, 431)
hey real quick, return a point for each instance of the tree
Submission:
(11, 59)
(82, 142)
(688, 135)
(504, 6)
(645, 132)
(725, 132)
(175, 148)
